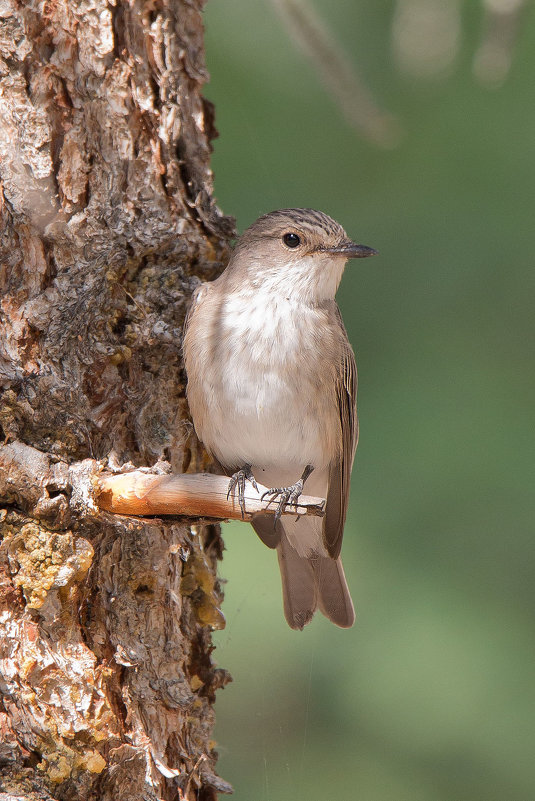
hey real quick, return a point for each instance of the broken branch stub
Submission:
(189, 495)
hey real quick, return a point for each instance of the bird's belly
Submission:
(266, 425)
(266, 417)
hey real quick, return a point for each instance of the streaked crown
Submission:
(313, 226)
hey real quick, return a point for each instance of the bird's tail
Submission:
(313, 582)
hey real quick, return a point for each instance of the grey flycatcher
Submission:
(272, 386)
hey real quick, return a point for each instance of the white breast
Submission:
(264, 399)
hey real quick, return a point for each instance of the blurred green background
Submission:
(431, 695)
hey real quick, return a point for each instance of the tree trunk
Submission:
(106, 221)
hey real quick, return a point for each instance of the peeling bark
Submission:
(107, 222)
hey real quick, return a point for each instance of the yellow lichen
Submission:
(93, 762)
(122, 354)
(41, 560)
(98, 736)
(56, 767)
(195, 683)
(198, 582)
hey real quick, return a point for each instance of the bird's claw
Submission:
(238, 479)
(287, 496)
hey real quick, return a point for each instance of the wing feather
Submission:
(340, 468)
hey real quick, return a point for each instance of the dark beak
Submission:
(351, 250)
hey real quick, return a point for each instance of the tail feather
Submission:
(312, 582)
(334, 599)
(299, 593)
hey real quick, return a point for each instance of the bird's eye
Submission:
(291, 240)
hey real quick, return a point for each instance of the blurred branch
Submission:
(426, 36)
(338, 73)
(501, 28)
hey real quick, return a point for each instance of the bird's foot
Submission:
(238, 480)
(287, 495)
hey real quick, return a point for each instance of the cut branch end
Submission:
(189, 495)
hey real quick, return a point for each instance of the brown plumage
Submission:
(272, 386)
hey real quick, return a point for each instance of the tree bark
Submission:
(106, 223)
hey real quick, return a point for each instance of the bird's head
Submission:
(295, 253)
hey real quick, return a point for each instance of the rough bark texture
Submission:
(106, 221)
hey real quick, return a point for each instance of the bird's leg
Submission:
(238, 480)
(288, 495)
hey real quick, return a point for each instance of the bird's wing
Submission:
(340, 468)
(195, 344)
(197, 295)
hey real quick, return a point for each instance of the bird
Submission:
(272, 386)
